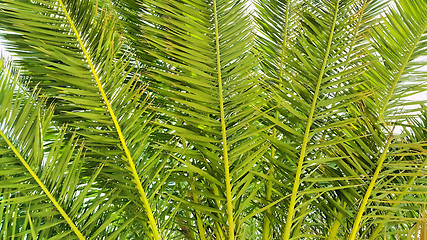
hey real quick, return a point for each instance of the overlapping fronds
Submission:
(44, 193)
(399, 45)
(75, 65)
(210, 101)
(213, 119)
(312, 95)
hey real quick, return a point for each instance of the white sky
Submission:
(3, 51)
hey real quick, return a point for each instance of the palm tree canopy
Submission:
(213, 119)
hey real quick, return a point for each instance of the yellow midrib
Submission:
(132, 167)
(224, 133)
(289, 219)
(399, 74)
(369, 191)
(285, 40)
(402, 194)
(44, 188)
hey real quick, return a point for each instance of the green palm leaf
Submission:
(212, 119)
(43, 187)
(84, 79)
(398, 43)
(209, 93)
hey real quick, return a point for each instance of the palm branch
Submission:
(212, 119)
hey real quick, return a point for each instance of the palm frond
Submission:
(212, 119)
(319, 82)
(42, 178)
(399, 40)
(204, 80)
(87, 83)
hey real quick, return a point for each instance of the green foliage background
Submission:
(200, 119)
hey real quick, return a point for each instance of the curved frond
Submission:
(399, 42)
(85, 80)
(41, 176)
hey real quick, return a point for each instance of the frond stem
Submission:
(369, 191)
(285, 40)
(132, 168)
(224, 133)
(44, 188)
(399, 74)
(292, 204)
(404, 192)
(335, 227)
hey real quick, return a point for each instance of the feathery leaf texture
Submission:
(213, 119)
